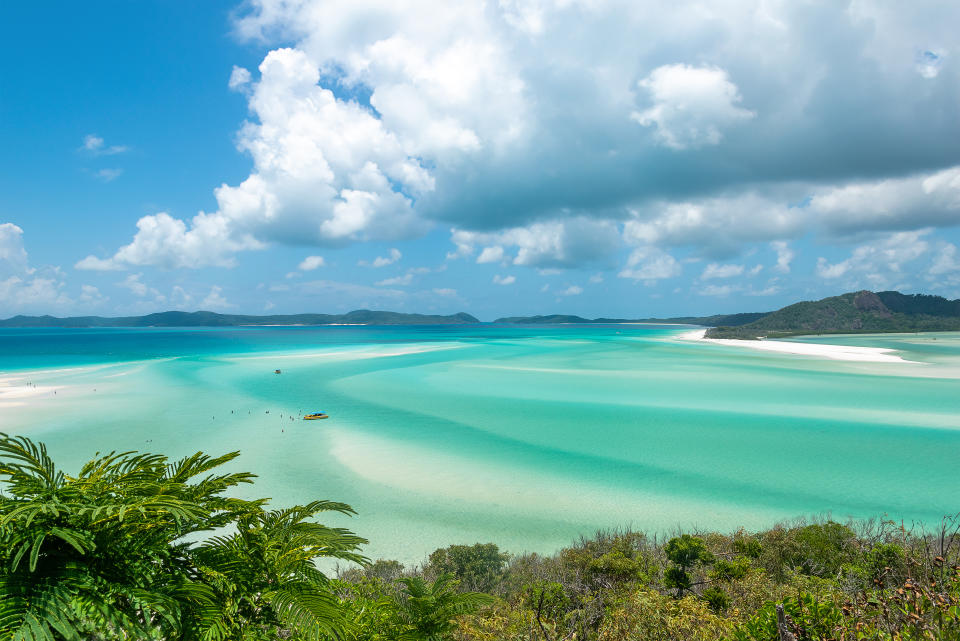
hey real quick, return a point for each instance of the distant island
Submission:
(212, 319)
(356, 317)
(731, 320)
(853, 313)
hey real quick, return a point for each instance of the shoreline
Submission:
(817, 350)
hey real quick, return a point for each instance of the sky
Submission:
(602, 158)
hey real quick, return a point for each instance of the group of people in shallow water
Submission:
(290, 416)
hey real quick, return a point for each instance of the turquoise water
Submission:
(527, 437)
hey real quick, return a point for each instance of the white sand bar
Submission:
(14, 391)
(835, 352)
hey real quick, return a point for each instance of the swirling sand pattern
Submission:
(522, 436)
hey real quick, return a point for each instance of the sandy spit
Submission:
(835, 352)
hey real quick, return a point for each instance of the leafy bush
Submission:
(476, 567)
(808, 618)
(428, 611)
(824, 548)
(650, 616)
(724, 570)
(717, 599)
(749, 547)
(684, 551)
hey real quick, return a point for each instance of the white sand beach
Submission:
(835, 352)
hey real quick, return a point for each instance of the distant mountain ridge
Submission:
(855, 312)
(213, 319)
(730, 320)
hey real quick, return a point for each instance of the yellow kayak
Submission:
(315, 416)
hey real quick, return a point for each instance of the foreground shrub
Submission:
(106, 554)
(478, 567)
(650, 616)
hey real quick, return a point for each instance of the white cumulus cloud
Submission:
(543, 127)
(691, 106)
(879, 264)
(240, 78)
(717, 226)
(785, 256)
(651, 264)
(91, 295)
(215, 300)
(717, 290)
(13, 256)
(382, 261)
(95, 145)
(403, 280)
(947, 260)
(919, 200)
(493, 254)
(715, 270)
(550, 244)
(167, 242)
(310, 263)
(24, 288)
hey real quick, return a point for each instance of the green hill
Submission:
(856, 312)
(213, 319)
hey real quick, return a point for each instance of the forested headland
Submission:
(136, 546)
(853, 313)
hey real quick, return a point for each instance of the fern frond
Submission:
(31, 470)
(311, 612)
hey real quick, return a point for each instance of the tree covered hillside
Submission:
(856, 312)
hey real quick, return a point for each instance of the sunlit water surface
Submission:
(524, 436)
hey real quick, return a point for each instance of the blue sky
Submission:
(600, 158)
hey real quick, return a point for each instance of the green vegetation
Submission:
(117, 552)
(138, 547)
(684, 553)
(478, 567)
(856, 312)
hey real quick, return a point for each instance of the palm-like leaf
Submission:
(428, 611)
(103, 553)
(301, 606)
(269, 561)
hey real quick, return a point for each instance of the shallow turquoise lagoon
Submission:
(527, 437)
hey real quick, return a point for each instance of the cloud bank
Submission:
(563, 135)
